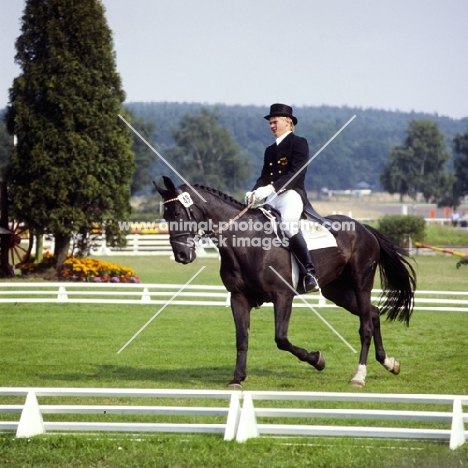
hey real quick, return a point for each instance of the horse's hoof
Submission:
(359, 378)
(234, 385)
(320, 362)
(392, 365)
(396, 368)
(358, 383)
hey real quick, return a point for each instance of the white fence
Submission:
(198, 295)
(241, 422)
(147, 244)
(141, 244)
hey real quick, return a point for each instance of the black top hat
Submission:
(281, 110)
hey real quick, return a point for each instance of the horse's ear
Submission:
(171, 191)
(169, 184)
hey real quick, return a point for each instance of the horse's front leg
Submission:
(241, 308)
(283, 308)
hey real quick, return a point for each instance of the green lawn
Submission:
(446, 235)
(75, 345)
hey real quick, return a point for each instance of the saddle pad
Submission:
(316, 235)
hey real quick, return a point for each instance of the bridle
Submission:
(196, 236)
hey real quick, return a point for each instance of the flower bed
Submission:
(92, 270)
(83, 269)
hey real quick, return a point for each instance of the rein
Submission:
(214, 232)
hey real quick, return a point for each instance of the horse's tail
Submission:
(398, 279)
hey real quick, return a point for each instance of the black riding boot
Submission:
(299, 248)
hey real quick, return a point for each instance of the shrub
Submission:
(31, 267)
(401, 228)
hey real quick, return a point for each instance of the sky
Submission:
(382, 54)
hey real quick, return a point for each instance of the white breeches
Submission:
(290, 206)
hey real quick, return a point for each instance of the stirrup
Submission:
(313, 283)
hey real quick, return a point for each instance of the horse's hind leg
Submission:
(359, 304)
(390, 363)
(283, 308)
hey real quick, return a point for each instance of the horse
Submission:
(255, 274)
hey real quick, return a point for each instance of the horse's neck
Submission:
(219, 211)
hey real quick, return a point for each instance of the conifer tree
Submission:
(73, 164)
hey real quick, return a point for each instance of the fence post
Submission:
(145, 296)
(31, 422)
(457, 432)
(62, 294)
(103, 249)
(248, 422)
(322, 301)
(233, 417)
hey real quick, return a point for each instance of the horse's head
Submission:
(178, 214)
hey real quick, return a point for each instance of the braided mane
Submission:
(219, 194)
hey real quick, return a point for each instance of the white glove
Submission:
(248, 198)
(263, 192)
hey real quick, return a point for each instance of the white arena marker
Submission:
(457, 436)
(233, 418)
(248, 428)
(31, 422)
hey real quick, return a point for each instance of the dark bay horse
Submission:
(258, 270)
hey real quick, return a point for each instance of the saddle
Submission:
(317, 231)
(317, 235)
(310, 213)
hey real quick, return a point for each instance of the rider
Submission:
(281, 183)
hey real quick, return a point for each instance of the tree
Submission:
(333, 168)
(394, 178)
(461, 165)
(72, 165)
(419, 165)
(6, 148)
(207, 154)
(144, 157)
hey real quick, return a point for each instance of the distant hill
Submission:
(355, 158)
(357, 155)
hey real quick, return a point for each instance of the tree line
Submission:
(357, 156)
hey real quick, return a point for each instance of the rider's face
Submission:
(279, 126)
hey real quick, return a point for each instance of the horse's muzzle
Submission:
(185, 256)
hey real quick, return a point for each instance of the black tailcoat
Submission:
(284, 166)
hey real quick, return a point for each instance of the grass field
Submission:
(75, 345)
